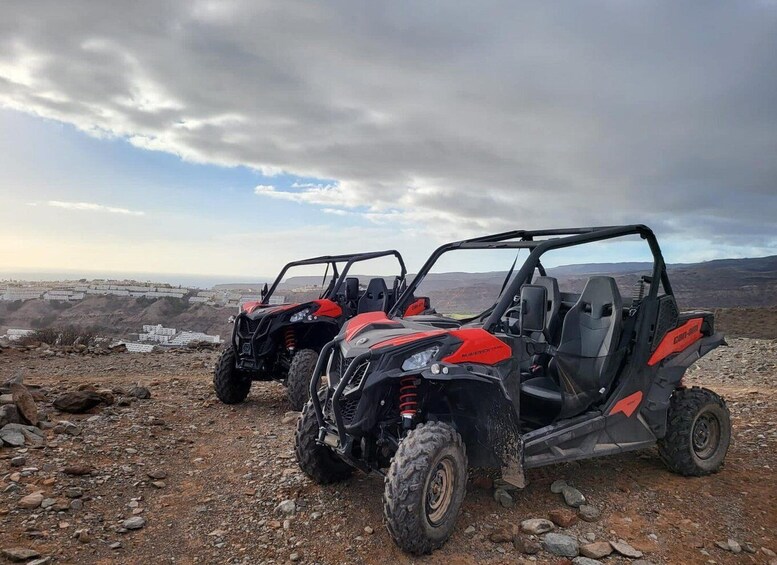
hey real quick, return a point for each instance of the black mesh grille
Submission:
(667, 318)
(348, 409)
(358, 377)
(248, 326)
(338, 367)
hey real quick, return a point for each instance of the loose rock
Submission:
(12, 437)
(77, 402)
(31, 500)
(572, 496)
(25, 404)
(9, 415)
(526, 545)
(625, 549)
(503, 497)
(596, 550)
(537, 526)
(19, 554)
(589, 513)
(286, 507)
(585, 561)
(563, 517)
(560, 544)
(557, 486)
(134, 523)
(140, 392)
(78, 470)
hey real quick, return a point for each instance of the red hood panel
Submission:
(250, 307)
(403, 339)
(362, 321)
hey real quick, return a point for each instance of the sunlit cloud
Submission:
(90, 207)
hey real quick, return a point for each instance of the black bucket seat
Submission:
(375, 298)
(585, 361)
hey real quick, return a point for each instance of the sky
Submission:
(226, 138)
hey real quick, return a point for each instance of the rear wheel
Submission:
(298, 380)
(698, 432)
(424, 487)
(231, 385)
(317, 461)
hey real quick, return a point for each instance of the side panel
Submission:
(668, 377)
(484, 414)
(328, 308)
(478, 346)
(677, 340)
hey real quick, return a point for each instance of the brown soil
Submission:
(229, 466)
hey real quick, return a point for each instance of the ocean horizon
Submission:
(175, 279)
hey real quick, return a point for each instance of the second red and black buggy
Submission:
(282, 341)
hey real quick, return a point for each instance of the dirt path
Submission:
(228, 467)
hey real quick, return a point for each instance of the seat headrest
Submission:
(376, 288)
(601, 297)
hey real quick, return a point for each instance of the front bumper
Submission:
(335, 401)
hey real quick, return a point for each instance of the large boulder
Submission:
(77, 402)
(25, 404)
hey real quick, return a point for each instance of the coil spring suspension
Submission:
(408, 396)
(290, 340)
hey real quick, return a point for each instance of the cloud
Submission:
(468, 118)
(91, 207)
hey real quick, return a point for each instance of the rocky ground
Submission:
(180, 478)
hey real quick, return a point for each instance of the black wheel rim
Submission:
(705, 437)
(439, 491)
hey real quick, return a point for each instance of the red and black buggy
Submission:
(282, 341)
(540, 377)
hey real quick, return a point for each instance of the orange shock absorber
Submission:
(408, 397)
(290, 340)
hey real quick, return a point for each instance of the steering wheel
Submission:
(508, 316)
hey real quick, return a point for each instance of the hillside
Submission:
(730, 283)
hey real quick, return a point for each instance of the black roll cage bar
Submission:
(333, 260)
(555, 239)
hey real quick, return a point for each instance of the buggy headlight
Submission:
(299, 316)
(420, 360)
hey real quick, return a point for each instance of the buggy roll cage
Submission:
(338, 277)
(525, 239)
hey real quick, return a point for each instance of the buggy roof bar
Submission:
(549, 239)
(333, 260)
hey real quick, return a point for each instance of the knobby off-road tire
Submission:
(316, 461)
(298, 380)
(698, 432)
(231, 386)
(424, 487)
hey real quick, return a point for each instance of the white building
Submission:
(158, 330)
(139, 347)
(14, 334)
(185, 338)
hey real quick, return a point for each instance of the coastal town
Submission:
(73, 291)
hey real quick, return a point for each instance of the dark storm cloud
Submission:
(492, 114)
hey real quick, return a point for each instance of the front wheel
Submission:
(298, 380)
(424, 487)
(698, 432)
(317, 461)
(231, 385)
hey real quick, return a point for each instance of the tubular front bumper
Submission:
(337, 438)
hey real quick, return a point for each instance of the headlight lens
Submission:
(299, 316)
(420, 360)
